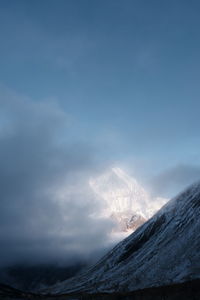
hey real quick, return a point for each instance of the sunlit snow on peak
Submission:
(122, 193)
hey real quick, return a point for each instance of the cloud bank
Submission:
(175, 179)
(46, 210)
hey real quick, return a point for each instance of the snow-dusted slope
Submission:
(164, 250)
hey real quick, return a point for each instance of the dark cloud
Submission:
(47, 213)
(174, 180)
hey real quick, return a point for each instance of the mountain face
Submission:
(126, 201)
(127, 220)
(163, 251)
(120, 192)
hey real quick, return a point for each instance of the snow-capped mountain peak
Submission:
(120, 192)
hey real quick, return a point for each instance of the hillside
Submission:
(163, 251)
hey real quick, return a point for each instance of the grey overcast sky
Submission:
(89, 84)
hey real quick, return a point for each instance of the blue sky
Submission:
(125, 72)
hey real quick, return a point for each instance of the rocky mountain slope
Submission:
(163, 251)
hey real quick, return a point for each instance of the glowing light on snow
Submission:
(122, 193)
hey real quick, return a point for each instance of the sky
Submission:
(86, 85)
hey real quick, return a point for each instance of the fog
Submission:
(47, 210)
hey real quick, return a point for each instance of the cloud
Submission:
(174, 180)
(46, 209)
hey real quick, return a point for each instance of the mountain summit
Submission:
(126, 201)
(163, 251)
(120, 191)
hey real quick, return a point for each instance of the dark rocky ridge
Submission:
(31, 278)
(184, 291)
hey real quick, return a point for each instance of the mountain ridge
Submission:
(165, 250)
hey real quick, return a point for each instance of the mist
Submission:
(47, 210)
